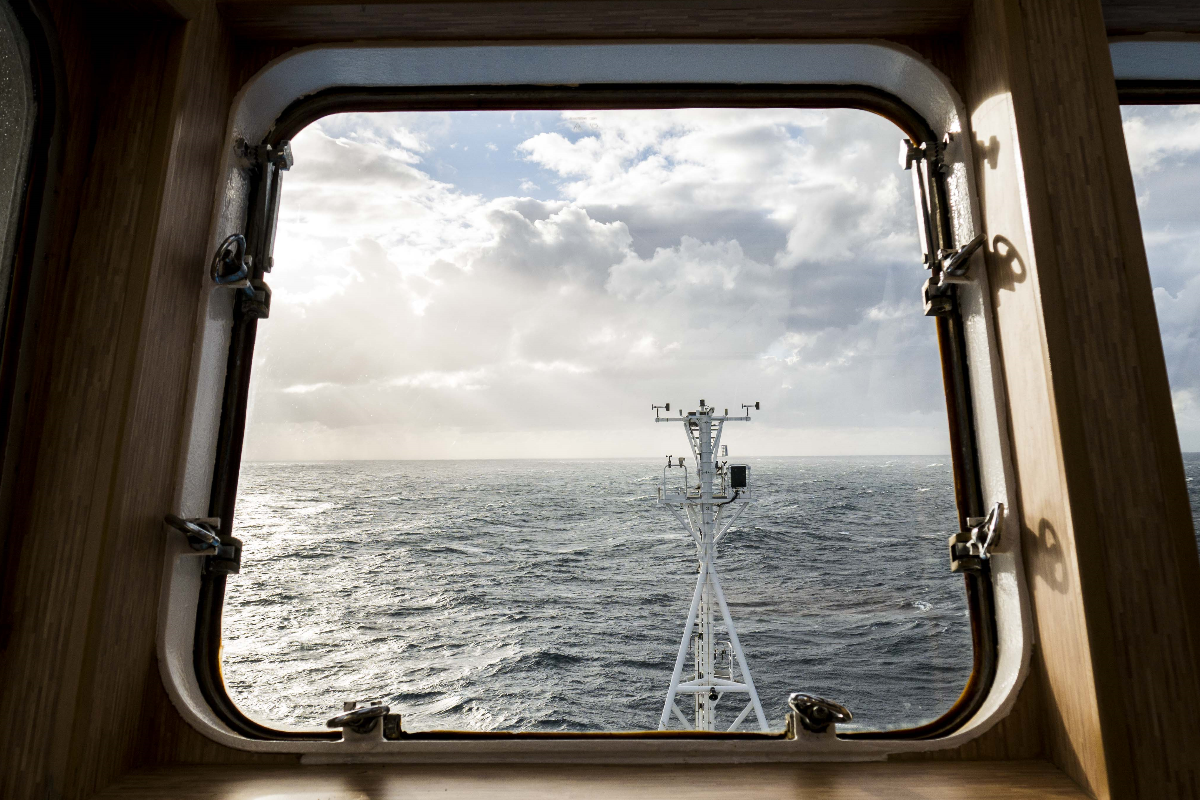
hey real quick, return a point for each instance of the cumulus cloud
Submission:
(733, 255)
(1155, 135)
(1164, 152)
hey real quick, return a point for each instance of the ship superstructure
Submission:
(707, 506)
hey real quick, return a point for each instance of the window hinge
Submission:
(949, 265)
(969, 549)
(278, 156)
(224, 552)
(232, 259)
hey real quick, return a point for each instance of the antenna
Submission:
(707, 511)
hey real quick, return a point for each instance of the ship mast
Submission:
(707, 510)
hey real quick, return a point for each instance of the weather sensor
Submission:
(707, 509)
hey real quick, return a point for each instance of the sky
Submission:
(527, 284)
(1164, 154)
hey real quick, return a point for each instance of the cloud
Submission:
(1156, 135)
(736, 255)
(1164, 153)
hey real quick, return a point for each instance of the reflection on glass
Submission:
(1164, 153)
(16, 128)
(448, 494)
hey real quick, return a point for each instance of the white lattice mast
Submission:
(707, 510)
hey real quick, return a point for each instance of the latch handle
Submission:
(361, 719)
(815, 714)
(224, 556)
(200, 533)
(230, 264)
(969, 549)
(954, 262)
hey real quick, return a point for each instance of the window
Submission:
(16, 131)
(1164, 154)
(447, 491)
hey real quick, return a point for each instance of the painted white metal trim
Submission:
(1148, 59)
(884, 66)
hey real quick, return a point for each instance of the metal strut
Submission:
(707, 511)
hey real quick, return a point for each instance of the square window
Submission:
(450, 487)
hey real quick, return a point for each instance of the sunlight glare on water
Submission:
(550, 595)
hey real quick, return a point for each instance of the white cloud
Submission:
(466, 380)
(1164, 152)
(1153, 135)
(740, 256)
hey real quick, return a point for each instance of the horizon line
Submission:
(576, 458)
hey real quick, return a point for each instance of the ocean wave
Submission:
(526, 613)
(542, 659)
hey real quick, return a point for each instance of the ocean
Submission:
(551, 595)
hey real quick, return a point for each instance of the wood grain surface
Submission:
(328, 20)
(149, 99)
(1106, 527)
(1113, 573)
(1014, 780)
(86, 367)
(587, 19)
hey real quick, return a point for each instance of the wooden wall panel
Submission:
(1104, 517)
(444, 20)
(1149, 16)
(115, 356)
(56, 583)
(200, 94)
(1106, 527)
(587, 19)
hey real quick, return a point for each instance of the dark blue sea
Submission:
(1191, 468)
(551, 595)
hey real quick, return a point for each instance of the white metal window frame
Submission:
(1144, 58)
(890, 68)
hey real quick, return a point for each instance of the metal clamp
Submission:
(230, 264)
(815, 714)
(278, 156)
(256, 299)
(359, 719)
(224, 554)
(927, 161)
(969, 549)
(201, 533)
(951, 268)
(956, 261)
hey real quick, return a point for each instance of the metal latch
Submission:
(949, 265)
(224, 554)
(814, 714)
(969, 549)
(279, 156)
(955, 262)
(363, 717)
(230, 264)
(255, 294)
(256, 299)
(232, 267)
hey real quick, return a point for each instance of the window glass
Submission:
(449, 489)
(16, 128)
(1164, 153)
